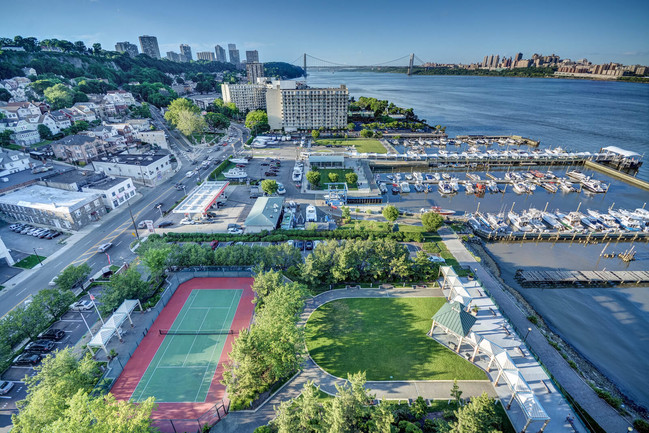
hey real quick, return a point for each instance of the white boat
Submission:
(235, 173)
(474, 177)
(604, 218)
(468, 186)
(520, 188)
(408, 176)
(419, 187)
(444, 187)
(643, 213)
(518, 222)
(577, 175)
(571, 220)
(497, 222)
(437, 176)
(239, 160)
(549, 186)
(552, 221)
(405, 187)
(446, 176)
(593, 186)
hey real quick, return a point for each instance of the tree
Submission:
(432, 221)
(45, 132)
(155, 258)
(333, 177)
(351, 178)
(257, 121)
(59, 96)
(5, 95)
(382, 418)
(217, 121)
(366, 133)
(80, 47)
(189, 123)
(419, 408)
(351, 126)
(346, 213)
(96, 48)
(178, 106)
(478, 416)
(127, 285)
(313, 177)
(72, 276)
(5, 137)
(315, 134)
(456, 394)
(54, 300)
(269, 186)
(390, 213)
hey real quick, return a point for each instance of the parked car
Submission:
(25, 229)
(235, 231)
(52, 334)
(165, 224)
(27, 359)
(141, 225)
(104, 247)
(270, 173)
(45, 234)
(187, 221)
(189, 173)
(38, 232)
(5, 387)
(308, 245)
(81, 306)
(40, 346)
(214, 245)
(299, 245)
(53, 235)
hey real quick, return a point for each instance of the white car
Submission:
(235, 231)
(187, 221)
(5, 386)
(189, 173)
(81, 306)
(280, 189)
(104, 247)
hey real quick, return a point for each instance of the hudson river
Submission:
(608, 326)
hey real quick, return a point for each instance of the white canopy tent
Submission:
(113, 325)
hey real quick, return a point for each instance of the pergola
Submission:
(458, 292)
(453, 318)
(113, 325)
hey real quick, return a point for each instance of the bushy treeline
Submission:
(273, 348)
(282, 70)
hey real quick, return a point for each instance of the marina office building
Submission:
(294, 107)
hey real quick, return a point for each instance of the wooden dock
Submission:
(580, 278)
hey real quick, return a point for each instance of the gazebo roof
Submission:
(453, 317)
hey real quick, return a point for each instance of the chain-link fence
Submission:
(208, 419)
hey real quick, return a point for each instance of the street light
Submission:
(128, 204)
(528, 333)
(38, 257)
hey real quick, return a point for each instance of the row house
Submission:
(80, 148)
(12, 161)
(19, 110)
(119, 97)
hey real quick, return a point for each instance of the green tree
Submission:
(127, 285)
(432, 221)
(257, 122)
(155, 258)
(333, 177)
(419, 408)
(5, 95)
(177, 106)
(45, 132)
(315, 134)
(72, 276)
(54, 301)
(313, 177)
(269, 186)
(424, 268)
(351, 178)
(189, 123)
(478, 416)
(5, 137)
(456, 394)
(346, 213)
(390, 213)
(96, 48)
(366, 133)
(217, 121)
(351, 126)
(59, 96)
(382, 418)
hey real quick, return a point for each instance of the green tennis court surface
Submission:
(183, 366)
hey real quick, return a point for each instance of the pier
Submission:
(580, 278)
(590, 237)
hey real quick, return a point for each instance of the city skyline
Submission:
(443, 33)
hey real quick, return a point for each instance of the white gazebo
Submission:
(113, 325)
(457, 291)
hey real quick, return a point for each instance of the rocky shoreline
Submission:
(587, 370)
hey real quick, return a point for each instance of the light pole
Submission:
(38, 257)
(160, 209)
(528, 333)
(128, 204)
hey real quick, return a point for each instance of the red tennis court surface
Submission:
(137, 365)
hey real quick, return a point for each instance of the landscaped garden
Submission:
(362, 145)
(386, 338)
(341, 172)
(30, 261)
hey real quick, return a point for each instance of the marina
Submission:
(580, 278)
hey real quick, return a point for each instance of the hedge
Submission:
(219, 168)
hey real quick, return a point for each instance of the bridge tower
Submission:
(412, 61)
(304, 65)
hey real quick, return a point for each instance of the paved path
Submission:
(247, 421)
(609, 419)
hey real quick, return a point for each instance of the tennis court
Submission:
(186, 360)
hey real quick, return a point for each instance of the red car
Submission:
(241, 165)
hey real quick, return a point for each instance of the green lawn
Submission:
(362, 145)
(324, 177)
(434, 245)
(29, 261)
(197, 137)
(381, 226)
(386, 338)
(41, 143)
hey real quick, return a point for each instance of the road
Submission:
(119, 229)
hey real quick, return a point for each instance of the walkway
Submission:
(247, 421)
(604, 415)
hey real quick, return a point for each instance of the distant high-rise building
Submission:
(174, 57)
(518, 57)
(149, 45)
(205, 55)
(220, 54)
(252, 56)
(234, 54)
(186, 52)
(254, 70)
(496, 61)
(490, 61)
(484, 62)
(127, 47)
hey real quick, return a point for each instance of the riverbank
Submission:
(590, 373)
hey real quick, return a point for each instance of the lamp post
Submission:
(128, 204)
(528, 333)
(38, 257)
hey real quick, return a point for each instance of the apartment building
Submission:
(246, 97)
(149, 45)
(296, 108)
(205, 55)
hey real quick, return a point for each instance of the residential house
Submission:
(79, 148)
(61, 119)
(139, 124)
(48, 120)
(119, 97)
(12, 161)
(26, 138)
(85, 112)
(19, 110)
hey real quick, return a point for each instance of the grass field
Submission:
(381, 226)
(183, 366)
(29, 261)
(362, 145)
(434, 245)
(324, 177)
(386, 338)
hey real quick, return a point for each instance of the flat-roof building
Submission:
(68, 210)
(149, 45)
(254, 70)
(220, 54)
(245, 96)
(127, 47)
(205, 55)
(146, 169)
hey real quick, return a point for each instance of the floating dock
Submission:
(580, 278)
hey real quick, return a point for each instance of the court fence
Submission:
(198, 425)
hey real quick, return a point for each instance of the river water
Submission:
(608, 326)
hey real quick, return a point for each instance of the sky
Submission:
(352, 32)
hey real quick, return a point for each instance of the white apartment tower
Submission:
(294, 108)
(246, 97)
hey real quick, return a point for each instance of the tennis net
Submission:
(201, 332)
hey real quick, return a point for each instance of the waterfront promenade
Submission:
(609, 419)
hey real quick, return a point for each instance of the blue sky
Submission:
(352, 31)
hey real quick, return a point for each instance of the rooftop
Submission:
(201, 198)
(45, 198)
(129, 159)
(76, 140)
(265, 211)
(88, 179)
